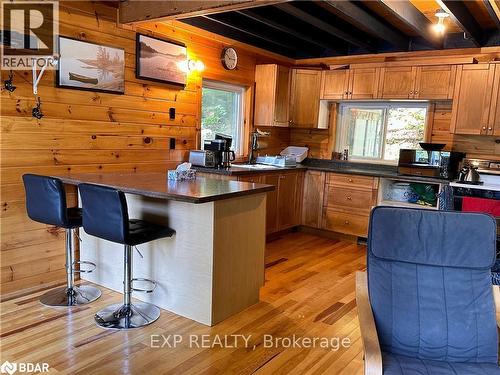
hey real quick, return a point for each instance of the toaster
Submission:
(202, 158)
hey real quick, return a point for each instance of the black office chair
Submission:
(105, 215)
(46, 203)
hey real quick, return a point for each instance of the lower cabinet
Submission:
(347, 202)
(285, 202)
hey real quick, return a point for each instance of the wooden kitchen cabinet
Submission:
(335, 84)
(272, 95)
(494, 116)
(472, 99)
(345, 84)
(304, 98)
(271, 203)
(285, 202)
(435, 82)
(397, 82)
(347, 202)
(312, 201)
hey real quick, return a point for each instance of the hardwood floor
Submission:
(309, 292)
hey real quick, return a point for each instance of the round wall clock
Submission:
(229, 58)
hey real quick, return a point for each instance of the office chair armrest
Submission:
(371, 346)
(496, 296)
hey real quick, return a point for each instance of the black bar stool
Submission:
(105, 215)
(46, 203)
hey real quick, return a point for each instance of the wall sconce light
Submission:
(191, 65)
(440, 27)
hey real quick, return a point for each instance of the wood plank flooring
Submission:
(309, 293)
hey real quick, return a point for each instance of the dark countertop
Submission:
(337, 166)
(156, 185)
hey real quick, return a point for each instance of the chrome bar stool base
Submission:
(120, 316)
(64, 297)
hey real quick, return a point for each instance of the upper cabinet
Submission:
(417, 82)
(472, 100)
(397, 82)
(345, 84)
(272, 95)
(305, 95)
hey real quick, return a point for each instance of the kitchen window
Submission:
(222, 111)
(376, 131)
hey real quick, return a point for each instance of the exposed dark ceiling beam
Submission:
(279, 26)
(221, 29)
(258, 30)
(133, 11)
(463, 18)
(324, 26)
(493, 10)
(406, 12)
(363, 20)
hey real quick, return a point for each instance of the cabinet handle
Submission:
(346, 222)
(490, 128)
(484, 127)
(349, 198)
(350, 180)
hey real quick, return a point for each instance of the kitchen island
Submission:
(212, 268)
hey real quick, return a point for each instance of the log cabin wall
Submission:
(321, 142)
(84, 131)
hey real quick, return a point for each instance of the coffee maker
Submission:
(220, 146)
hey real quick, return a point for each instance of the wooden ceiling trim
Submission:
(324, 26)
(365, 21)
(410, 15)
(461, 16)
(493, 10)
(131, 11)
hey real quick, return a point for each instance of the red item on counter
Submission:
(488, 206)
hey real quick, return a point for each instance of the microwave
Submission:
(436, 164)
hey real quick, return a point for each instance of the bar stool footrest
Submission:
(92, 265)
(151, 290)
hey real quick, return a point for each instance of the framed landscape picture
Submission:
(90, 66)
(159, 60)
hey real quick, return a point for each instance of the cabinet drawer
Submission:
(356, 225)
(348, 198)
(351, 180)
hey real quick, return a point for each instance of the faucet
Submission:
(255, 144)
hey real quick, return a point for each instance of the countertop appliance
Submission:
(221, 148)
(437, 164)
(202, 158)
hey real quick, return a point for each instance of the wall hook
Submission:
(9, 84)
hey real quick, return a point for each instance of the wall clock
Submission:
(229, 58)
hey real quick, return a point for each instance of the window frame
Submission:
(239, 143)
(341, 140)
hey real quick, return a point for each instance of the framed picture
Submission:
(159, 60)
(90, 66)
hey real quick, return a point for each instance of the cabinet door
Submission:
(494, 121)
(363, 83)
(435, 82)
(304, 108)
(265, 85)
(271, 203)
(287, 200)
(312, 202)
(282, 100)
(397, 82)
(255, 178)
(472, 99)
(335, 84)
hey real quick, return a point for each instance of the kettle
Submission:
(469, 174)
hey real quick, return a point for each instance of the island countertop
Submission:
(156, 185)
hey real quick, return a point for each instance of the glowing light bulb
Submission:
(199, 66)
(440, 27)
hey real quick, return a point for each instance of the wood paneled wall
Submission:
(84, 131)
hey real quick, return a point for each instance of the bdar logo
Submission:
(8, 368)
